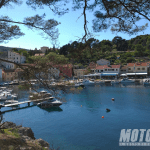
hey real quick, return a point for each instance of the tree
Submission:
(130, 60)
(64, 50)
(139, 50)
(9, 31)
(120, 15)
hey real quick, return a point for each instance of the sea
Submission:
(78, 124)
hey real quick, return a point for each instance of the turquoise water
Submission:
(73, 127)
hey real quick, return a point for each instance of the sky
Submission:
(70, 29)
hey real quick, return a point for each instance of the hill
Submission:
(4, 48)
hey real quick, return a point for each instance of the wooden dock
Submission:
(19, 103)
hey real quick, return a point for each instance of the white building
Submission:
(53, 73)
(108, 69)
(44, 48)
(103, 62)
(8, 65)
(16, 57)
(13, 57)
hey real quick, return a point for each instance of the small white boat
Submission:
(115, 81)
(43, 92)
(41, 95)
(126, 80)
(146, 81)
(5, 95)
(10, 102)
(53, 83)
(50, 103)
(87, 82)
(79, 85)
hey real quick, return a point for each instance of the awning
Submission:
(109, 74)
(141, 73)
(92, 75)
(130, 74)
(123, 75)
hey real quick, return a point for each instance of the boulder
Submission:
(26, 132)
(42, 142)
(7, 125)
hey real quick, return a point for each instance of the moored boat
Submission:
(146, 81)
(50, 103)
(79, 85)
(7, 96)
(87, 82)
(126, 80)
(10, 102)
(115, 81)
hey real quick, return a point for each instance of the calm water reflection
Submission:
(77, 124)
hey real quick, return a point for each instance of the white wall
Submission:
(17, 58)
(103, 62)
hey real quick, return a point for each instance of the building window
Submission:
(116, 69)
(143, 68)
(138, 68)
(129, 69)
(105, 69)
(110, 69)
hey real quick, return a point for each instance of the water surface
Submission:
(76, 127)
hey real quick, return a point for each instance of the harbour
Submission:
(73, 127)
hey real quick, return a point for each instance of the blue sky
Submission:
(70, 29)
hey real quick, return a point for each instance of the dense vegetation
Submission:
(118, 51)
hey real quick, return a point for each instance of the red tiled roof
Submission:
(100, 67)
(124, 67)
(141, 64)
(92, 65)
(130, 64)
(112, 66)
(105, 66)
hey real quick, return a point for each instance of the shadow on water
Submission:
(52, 109)
(15, 109)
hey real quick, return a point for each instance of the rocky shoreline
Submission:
(13, 137)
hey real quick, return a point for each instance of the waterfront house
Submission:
(13, 57)
(66, 70)
(92, 66)
(108, 70)
(137, 69)
(19, 74)
(16, 57)
(8, 74)
(79, 73)
(53, 73)
(123, 70)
